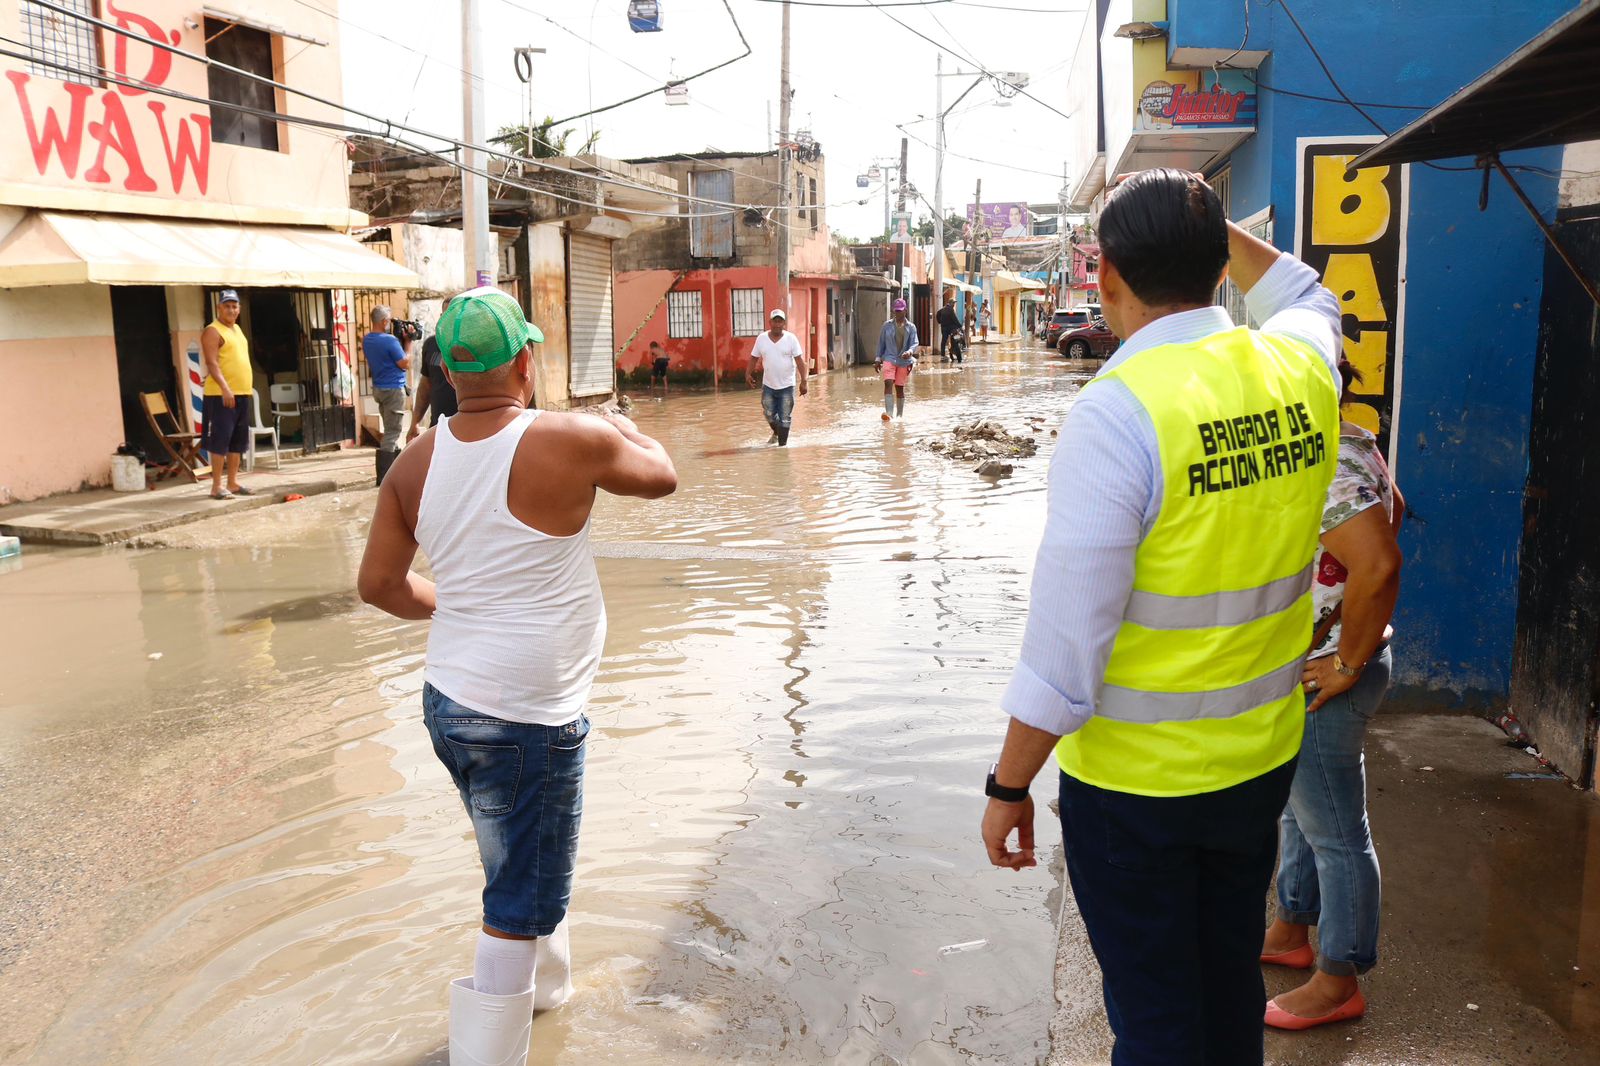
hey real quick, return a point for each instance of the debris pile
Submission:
(984, 442)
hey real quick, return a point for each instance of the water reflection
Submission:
(796, 704)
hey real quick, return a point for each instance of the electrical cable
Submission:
(975, 159)
(389, 125)
(104, 73)
(679, 81)
(1344, 96)
(961, 55)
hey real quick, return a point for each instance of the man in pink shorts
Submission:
(897, 343)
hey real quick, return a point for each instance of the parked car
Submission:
(1063, 320)
(1094, 341)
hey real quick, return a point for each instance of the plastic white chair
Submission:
(260, 429)
(285, 403)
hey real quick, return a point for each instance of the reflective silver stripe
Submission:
(1155, 611)
(1136, 705)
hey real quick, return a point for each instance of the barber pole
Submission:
(197, 388)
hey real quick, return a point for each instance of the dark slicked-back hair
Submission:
(1165, 232)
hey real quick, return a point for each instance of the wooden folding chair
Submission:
(182, 448)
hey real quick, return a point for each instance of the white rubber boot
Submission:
(552, 970)
(489, 1030)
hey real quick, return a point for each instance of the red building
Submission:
(703, 285)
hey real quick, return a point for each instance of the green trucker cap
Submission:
(489, 324)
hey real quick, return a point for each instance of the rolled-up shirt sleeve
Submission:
(1102, 501)
(1290, 299)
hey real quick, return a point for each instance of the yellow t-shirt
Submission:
(233, 359)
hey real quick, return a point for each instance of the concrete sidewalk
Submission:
(1490, 950)
(101, 516)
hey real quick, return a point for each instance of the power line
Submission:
(962, 55)
(975, 159)
(679, 81)
(104, 73)
(389, 125)
(930, 3)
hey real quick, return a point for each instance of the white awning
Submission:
(68, 248)
(952, 283)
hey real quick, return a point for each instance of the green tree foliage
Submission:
(541, 142)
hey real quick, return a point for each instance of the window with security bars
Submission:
(747, 317)
(248, 50)
(814, 212)
(683, 315)
(62, 41)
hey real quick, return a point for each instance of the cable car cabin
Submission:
(677, 93)
(644, 16)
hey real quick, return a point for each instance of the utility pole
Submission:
(1061, 234)
(481, 251)
(938, 183)
(972, 252)
(783, 167)
(900, 206)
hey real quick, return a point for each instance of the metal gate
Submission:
(1555, 676)
(327, 414)
(593, 364)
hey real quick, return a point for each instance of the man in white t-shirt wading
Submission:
(781, 362)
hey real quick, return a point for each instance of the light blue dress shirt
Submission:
(887, 350)
(1105, 492)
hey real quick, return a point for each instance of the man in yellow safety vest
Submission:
(1170, 615)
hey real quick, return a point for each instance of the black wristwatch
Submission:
(995, 790)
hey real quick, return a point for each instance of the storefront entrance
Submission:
(291, 335)
(144, 359)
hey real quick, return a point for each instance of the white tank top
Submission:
(520, 622)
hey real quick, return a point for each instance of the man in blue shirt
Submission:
(387, 361)
(896, 341)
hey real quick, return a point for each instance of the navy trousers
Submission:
(1173, 893)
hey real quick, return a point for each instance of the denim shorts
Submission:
(522, 785)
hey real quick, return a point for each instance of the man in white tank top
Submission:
(498, 497)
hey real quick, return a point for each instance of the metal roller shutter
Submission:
(589, 281)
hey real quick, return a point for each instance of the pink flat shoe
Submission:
(1299, 958)
(1278, 1018)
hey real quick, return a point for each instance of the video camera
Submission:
(405, 329)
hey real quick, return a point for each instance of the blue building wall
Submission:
(1473, 285)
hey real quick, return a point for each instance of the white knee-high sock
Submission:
(888, 403)
(503, 967)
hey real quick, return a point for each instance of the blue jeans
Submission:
(522, 785)
(1328, 868)
(778, 406)
(1173, 890)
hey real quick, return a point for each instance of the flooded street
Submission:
(228, 839)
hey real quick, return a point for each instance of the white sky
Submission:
(855, 75)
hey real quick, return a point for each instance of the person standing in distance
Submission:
(225, 417)
(778, 357)
(897, 344)
(499, 497)
(434, 391)
(949, 327)
(388, 362)
(1169, 616)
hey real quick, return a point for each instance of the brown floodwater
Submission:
(227, 839)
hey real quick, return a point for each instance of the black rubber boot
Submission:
(783, 436)
(385, 461)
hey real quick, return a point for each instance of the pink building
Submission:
(123, 210)
(704, 286)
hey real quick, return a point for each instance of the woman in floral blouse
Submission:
(1327, 868)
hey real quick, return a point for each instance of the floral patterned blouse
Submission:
(1360, 480)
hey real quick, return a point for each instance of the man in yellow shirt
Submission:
(225, 410)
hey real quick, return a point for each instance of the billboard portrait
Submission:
(900, 228)
(1005, 222)
(1351, 229)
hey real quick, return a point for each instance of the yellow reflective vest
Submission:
(1202, 690)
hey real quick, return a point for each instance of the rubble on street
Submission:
(984, 442)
